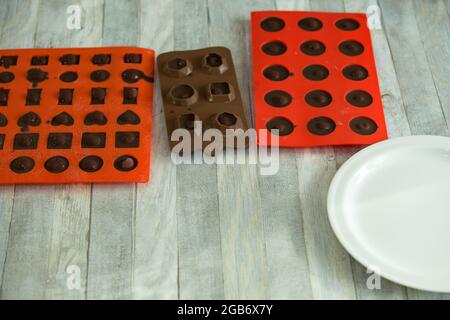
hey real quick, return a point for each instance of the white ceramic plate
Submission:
(389, 206)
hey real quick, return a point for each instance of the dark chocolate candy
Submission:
(347, 24)
(29, 119)
(36, 75)
(70, 59)
(130, 95)
(355, 72)
(60, 140)
(2, 140)
(312, 47)
(98, 95)
(315, 72)
(39, 60)
(91, 164)
(318, 98)
(100, 75)
(283, 125)
(274, 48)
(7, 61)
(33, 97)
(272, 24)
(310, 24)
(132, 58)
(359, 98)
(3, 120)
(278, 98)
(62, 119)
(125, 163)
(93, 140)
(65, 96)
(68, 76)
(321, 126)
(351, 48)
(276, 73)
(363, 126)
(101, 59)
(127, 139)
(22, 165)
(26, 141)
(4, 94)
(128, 117)
(6, 77)
(95, 118)
(56, 164)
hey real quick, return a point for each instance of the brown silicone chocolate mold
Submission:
(201, 85)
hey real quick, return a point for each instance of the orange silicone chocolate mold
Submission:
(315, 78)
(75, 115)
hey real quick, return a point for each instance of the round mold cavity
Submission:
(318, 98)
(347, 24)
(276, 73)
(359, 98)
(310, 24)
(22, 165)
(312, 48)
(56, 164)
(283, 125)
(274, 48)
(125, 163)
(183, 95)
(315, 72)
(91, 164)
(363, 126)
(351, 48)
(278, 98)
(272, 24)
(355, 72)
(321, 126)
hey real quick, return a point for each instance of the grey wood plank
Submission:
(241, 217)
(25, 262)
(413, 72)
(397, 125)
(110, 269)
(71, 210)
(434, 27)
(200, 255)
(416, 82)
(287, 264)
(155, 268)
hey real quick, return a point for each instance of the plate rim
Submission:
(337, 181)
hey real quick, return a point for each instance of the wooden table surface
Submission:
(210, 231)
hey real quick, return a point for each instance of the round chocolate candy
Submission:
(6, 77)
(272, 24)
(68, 76)
(355, 72)
(321, 126)
(310, 24)
(22, 165)
(283, 125)
(56, 164)
(125, 163)
(91, 164)
(318, 98)
(99, 75)
(276, 73)
(278, 98)
(312, 47)
(359, 98)
(315, 72)
(132, 75)
(363, 126)
(274, 48)
(347, 24)
(351, 48)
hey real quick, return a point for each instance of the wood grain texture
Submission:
(111, 246)
(71, 210)
(155, 268)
